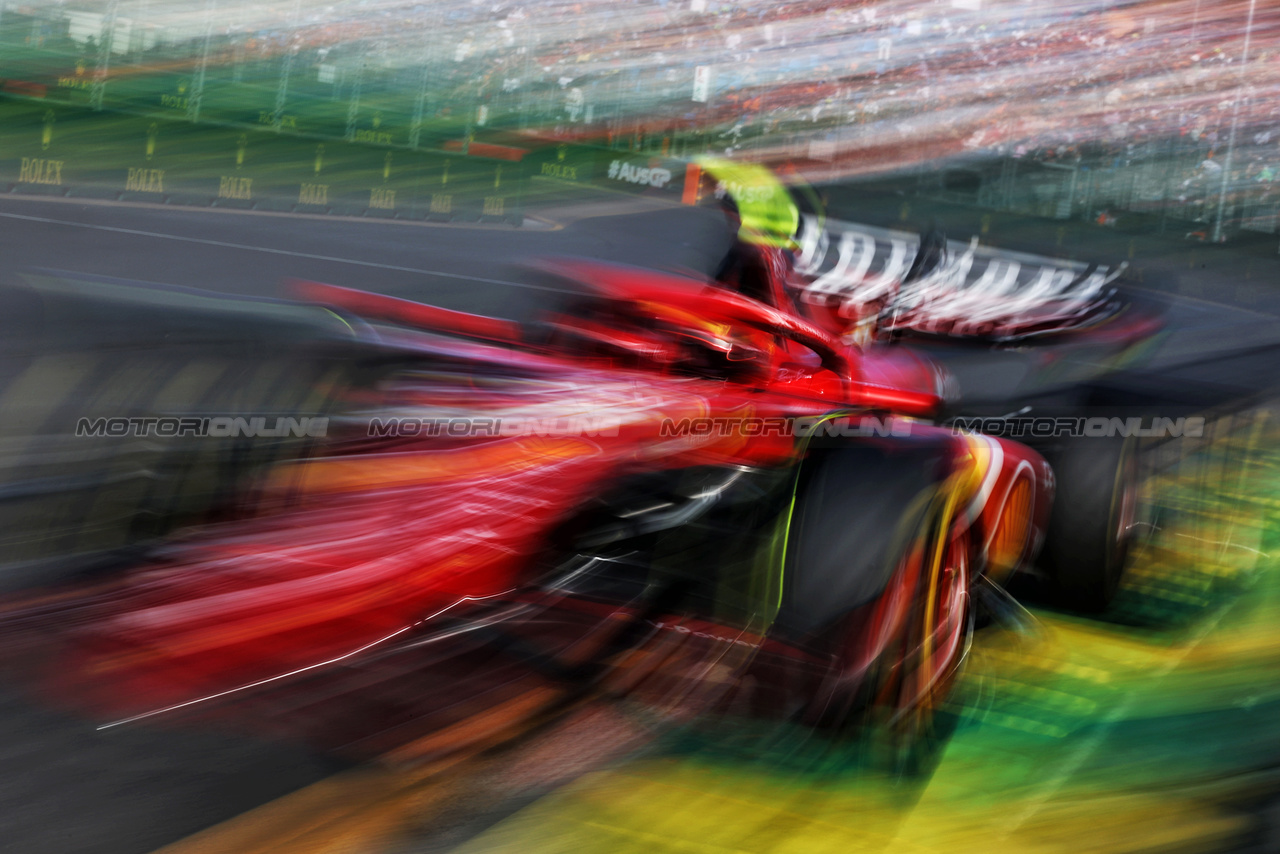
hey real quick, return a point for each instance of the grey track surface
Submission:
(65, 787)
(453, 266)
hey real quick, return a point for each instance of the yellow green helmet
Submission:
(769, 216)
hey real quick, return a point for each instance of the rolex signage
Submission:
(565, 163)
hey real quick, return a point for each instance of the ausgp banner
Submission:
(609, 168)
(637, 172)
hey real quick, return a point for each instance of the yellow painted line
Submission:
(661, 806)
(1105, 823)
(664, 807)
(1059, 701)
(1019, 659)
(1123, 655)
(1257, 647)
(655, 842)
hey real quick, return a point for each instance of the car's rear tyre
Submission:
(1092, 524)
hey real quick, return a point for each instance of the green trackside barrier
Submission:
(572, 164)
(74, 151)
(163, 82)
(474, 188)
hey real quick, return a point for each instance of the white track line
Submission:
(308, 255)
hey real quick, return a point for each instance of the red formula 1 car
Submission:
(662, 459)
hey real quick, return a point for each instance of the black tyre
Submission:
(1091, 528)
(875, 529)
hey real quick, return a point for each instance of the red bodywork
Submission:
(379, 538)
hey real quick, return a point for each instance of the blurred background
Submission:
(1143, 132)
(1164, 112)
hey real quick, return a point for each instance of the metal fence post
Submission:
(104, 55)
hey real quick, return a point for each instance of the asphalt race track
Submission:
(465, 267)
(1154, 729)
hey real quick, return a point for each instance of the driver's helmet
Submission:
(768, 213)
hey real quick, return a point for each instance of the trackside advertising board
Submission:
(74, 151)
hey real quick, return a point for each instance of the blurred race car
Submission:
(661, 458)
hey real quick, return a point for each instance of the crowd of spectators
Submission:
(921, 79)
